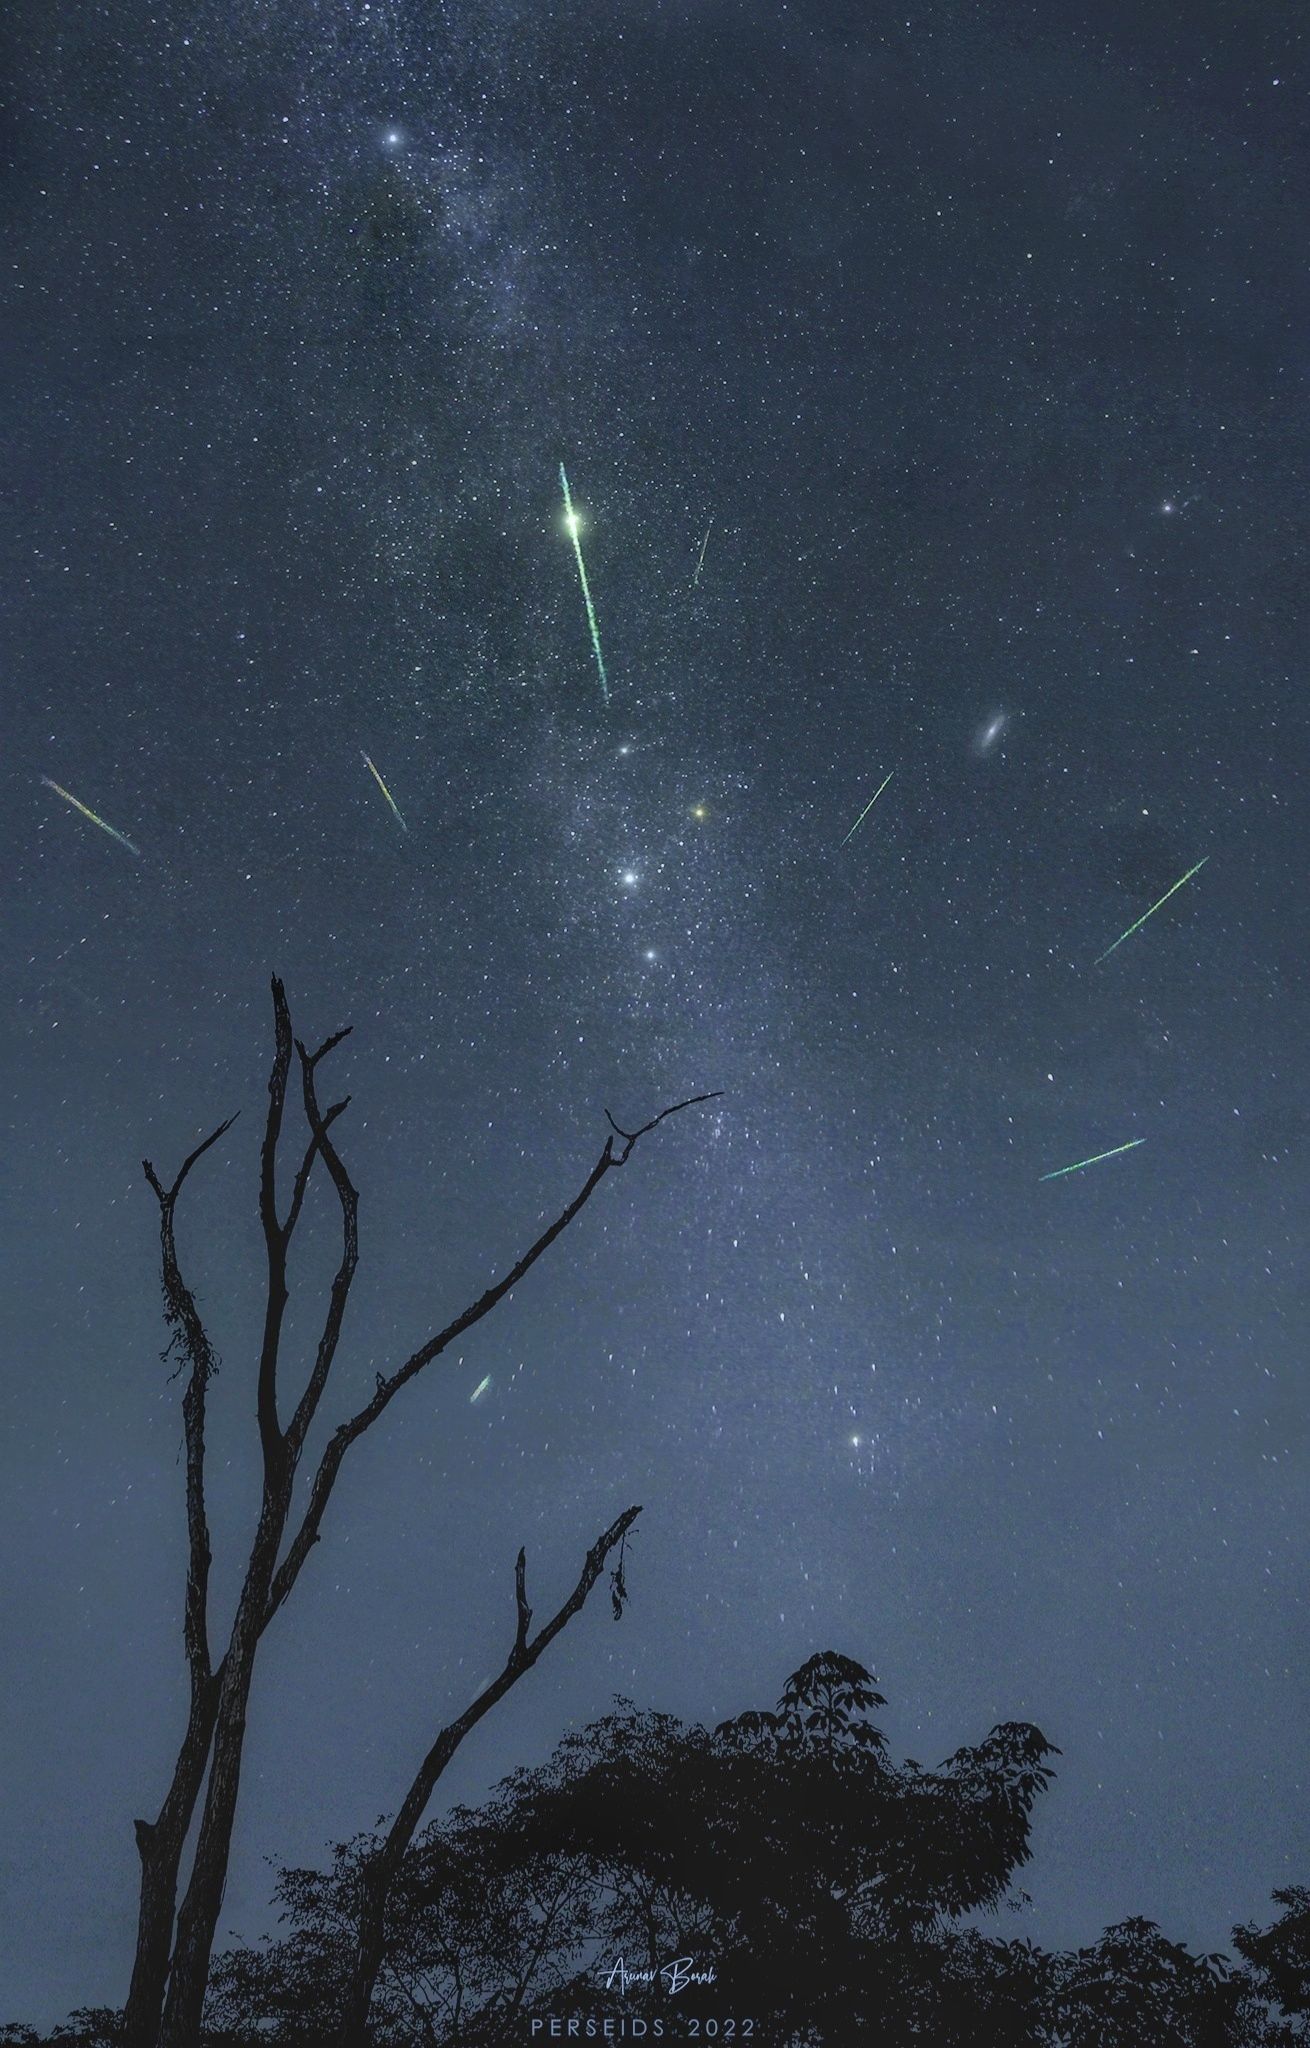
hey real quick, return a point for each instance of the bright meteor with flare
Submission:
(1151, 912)
(573, 524)
(1095, 1159)
(385, 791)
(69, 798)
(868, 807)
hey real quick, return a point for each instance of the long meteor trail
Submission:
(868, 807)
(69, 798)
(385, 791)
(1095, 1159)
(573, 525)
(1151, 912)
(701, 563)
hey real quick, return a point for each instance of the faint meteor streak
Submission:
(572, 522)
(1095, 1159)
(480, 1389)
(701, 563)
(1151, 912)
(868, 807)
(385, 791)
(69, 798)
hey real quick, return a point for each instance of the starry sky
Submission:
(931, 387)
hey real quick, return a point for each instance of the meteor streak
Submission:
(701, 563)
(385, 791)
(574, 526)
(69, 798)
(480, 1389)
(1095, 1159)
(868, 807)
(1151, 912)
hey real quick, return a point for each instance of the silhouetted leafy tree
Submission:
(1279, 1958)
(783, 1848)
(826, 1884)
(1134, 1979)
(89, 2027)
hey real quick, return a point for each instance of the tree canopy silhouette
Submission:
(829, 1888)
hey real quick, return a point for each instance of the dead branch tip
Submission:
(630, 1137)
(311, 1059)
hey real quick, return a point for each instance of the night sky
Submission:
(974, 337)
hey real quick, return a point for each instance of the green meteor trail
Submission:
(868, 807)
(573, 524)
(1095, 1159)
(1151, 912)
(385, 791)
(69, 798)
(701, 563)
(480, 1389)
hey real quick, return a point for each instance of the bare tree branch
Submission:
(184, 1319)
(630, 1137)
(347, 1433)
(380, 1874)
(172, 1193)
(521, 1658)
(339, 1293)
(521, 1601)
(306, 1168)
(275, 1244)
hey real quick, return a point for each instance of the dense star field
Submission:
(930, 388)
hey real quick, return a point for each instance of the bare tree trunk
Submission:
(166, 1998)
(197, 1919)
(381, 1873)
(160, 1844)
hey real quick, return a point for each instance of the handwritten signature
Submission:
(675, 1976)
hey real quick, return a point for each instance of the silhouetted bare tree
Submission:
(174, 1944)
